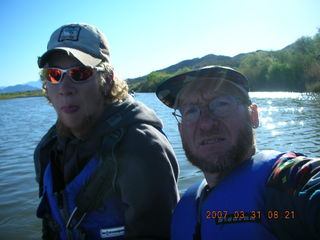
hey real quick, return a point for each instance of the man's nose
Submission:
(207, 120)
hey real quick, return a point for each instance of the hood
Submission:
(75, 152)
(123, 114)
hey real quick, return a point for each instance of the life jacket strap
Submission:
(100, 185)
(75, 219)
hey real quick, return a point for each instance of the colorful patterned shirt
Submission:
(293, 197)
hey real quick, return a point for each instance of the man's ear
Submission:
(254, 116)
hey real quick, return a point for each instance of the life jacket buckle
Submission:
(77, 216)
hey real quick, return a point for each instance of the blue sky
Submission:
(148, 35)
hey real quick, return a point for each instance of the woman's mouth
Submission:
(69, 109)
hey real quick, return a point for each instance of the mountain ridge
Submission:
(24, 87)
(295, 67)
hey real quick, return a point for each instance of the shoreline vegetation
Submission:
(295, 68)
(37, 93)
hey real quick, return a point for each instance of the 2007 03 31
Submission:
(270, 214)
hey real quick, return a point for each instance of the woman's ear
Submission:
(179, 127)
(109, 83)
(254, 116)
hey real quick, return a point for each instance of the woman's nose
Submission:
(66, 86)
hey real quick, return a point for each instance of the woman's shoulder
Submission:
(141, 135)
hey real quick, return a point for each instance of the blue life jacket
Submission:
(106, 222)
(234, 209)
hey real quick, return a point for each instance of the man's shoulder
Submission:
(292, 171)
(266, 155)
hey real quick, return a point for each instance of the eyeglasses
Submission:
(220, 107)
(77, 74)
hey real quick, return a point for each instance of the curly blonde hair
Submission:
(119, 87)
(117, 92)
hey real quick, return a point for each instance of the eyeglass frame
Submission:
(67, 70)
(177, 116)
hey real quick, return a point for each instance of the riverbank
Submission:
(37, 93)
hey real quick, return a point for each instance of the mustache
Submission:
(237, 153)
(217, 131)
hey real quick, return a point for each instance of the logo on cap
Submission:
(70, 33)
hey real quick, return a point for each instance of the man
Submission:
(245, 194)
(105, 169)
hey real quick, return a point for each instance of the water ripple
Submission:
(289, 121)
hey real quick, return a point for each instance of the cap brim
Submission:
(169, 90)
(85, 58)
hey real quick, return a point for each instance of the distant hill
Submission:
(194, 63)
(144, 84)
(19, 88)
(29, 86)
(293, 68)
(36, 84)
(207, 60)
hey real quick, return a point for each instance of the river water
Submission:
(289, 121)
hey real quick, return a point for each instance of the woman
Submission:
(105, 169)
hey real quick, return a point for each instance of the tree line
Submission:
(294, 68)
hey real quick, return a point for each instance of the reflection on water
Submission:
(288, 121)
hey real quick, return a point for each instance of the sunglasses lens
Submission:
(81, 73)
(53, 75)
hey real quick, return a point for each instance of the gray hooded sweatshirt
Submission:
(147, 168)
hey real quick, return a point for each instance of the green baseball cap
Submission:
(168, 91)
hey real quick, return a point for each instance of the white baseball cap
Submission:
(83, 41)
